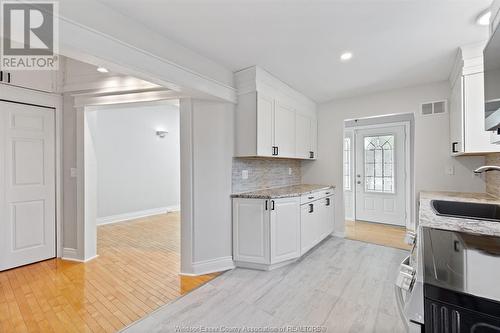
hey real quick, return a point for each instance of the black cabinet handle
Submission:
(454, 147)
(272, 204)
(311, 154)
(266, 204)
(1, 76)
(310, 198)
(277, 150)
(8, 77)
(311, 208)
(328, 201)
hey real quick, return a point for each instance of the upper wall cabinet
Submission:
(42, 80)
(467, 131)
(272, 119)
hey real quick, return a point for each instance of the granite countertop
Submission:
(283, 192)
(428, 218)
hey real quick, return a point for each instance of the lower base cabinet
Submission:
(271, 233)
(316, 222)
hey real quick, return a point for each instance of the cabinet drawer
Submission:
(306, 198)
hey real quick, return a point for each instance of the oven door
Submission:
(462, 262)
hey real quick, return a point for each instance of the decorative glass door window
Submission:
(379, 163)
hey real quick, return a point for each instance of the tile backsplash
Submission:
(264, 173)
(493, 178)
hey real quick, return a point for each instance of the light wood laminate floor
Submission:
(137, 271)
(377, 233)
(342, 285)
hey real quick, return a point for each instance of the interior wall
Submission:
(432, 157)
(493, 177)
(207, 141)
(138, 173)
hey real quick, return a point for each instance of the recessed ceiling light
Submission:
(102, 70)
(346, 56)
(484, 18)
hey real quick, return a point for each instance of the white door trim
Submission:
(39, 98)
(408, 179)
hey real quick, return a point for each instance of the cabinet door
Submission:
(251, 220)
(327, 217)
(314, 137)
(476, 138)
(42, 80)
(284, 129)
(302, 136)
(285, 229)
(308, 226)
(265, 125)
(456, 118)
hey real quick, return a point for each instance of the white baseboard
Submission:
(136, 215)
(72, 255)
(210, 266)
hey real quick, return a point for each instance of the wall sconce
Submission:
(161, 134)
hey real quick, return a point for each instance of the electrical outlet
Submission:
(450, 170)
(73, 173)
(244, 174)
(289, 171)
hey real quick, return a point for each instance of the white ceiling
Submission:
(396, 43)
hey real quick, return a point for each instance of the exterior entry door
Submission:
(27, 184)
(380, 177)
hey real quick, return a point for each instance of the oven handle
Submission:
(399, 297)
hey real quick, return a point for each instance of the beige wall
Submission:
(432, 155)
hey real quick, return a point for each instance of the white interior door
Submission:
(27, 184)
(380, 175)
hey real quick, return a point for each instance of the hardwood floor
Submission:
(376, 233)
(136, 272)
(341, 286)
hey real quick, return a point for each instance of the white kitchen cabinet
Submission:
(284, 130)
(285, 229)
(316, 222)
(251, 221)
(268, 233)
(467, 129)
(42, 80)
(309, 225)
(272, 120)
(305, 136)
(265, 125)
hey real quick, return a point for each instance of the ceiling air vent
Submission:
(430, 108)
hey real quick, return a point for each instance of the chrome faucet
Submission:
(485, 168)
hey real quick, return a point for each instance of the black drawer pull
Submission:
(310, 197)
(311, 208)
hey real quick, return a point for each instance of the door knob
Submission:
(359, 182)
(359, 176)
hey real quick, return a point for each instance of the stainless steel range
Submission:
(461, 281)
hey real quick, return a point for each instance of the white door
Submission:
(284, 130)
(27, 184)
(285, 229)
(380, 175)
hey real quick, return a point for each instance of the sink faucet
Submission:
(485, 168)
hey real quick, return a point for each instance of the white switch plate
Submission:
(290, 171)
(450, 170)
(73, 172)
(244, 174)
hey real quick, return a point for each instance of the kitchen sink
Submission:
(467, 210)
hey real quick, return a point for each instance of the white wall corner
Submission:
(210, 266)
